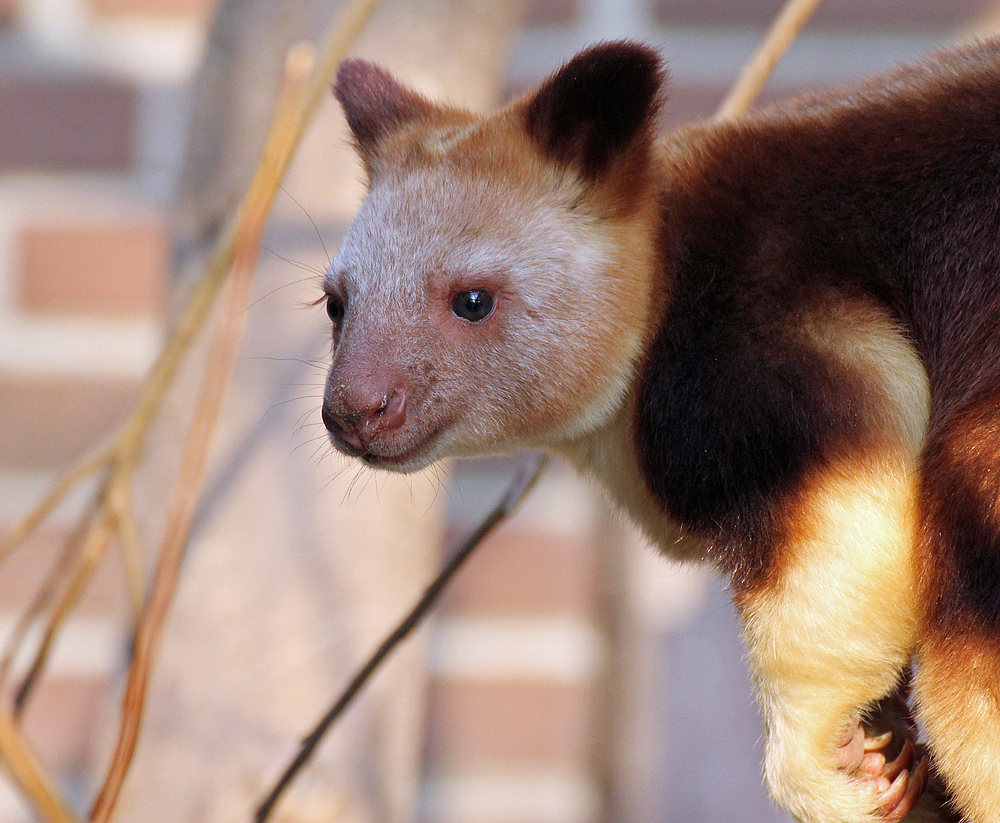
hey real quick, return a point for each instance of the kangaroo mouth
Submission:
(387, 456)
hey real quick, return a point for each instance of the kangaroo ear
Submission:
(375, 103)
(601, 104)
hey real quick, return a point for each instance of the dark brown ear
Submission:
(601, 104)
(375, 103)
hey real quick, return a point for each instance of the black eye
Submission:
(335, 308)
(473, 305)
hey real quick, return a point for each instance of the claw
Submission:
(850, 755)
(891, 793)
(903, 762)
(876, 744)
(904, 792)
(897, 784)
(866, 752)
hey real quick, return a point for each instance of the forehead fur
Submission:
(461, 198)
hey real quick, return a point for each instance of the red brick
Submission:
(67, 123)
(163, 9)
(511, 723)
(7, 10)
(47, 423)
(62, 717)
(552, 12)
(102, 269)
(23, 573)
(518, 572)
(848, 15)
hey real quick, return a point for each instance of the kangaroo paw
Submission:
(896, 785)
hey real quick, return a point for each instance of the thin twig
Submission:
(73, 478)
(64, 563)
(94, 547)
(131, 546)
(21, 763)
(240, 237)
(222, 357)
(127, 446)
(113, 513)
(523, 482)
(782, 33)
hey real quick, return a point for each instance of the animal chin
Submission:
(403, 465)
(395, 457)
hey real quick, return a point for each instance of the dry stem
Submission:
(782, 33)
(93, 549)
(523, 482)
(29, 774)
(114, 516)
(222, 356)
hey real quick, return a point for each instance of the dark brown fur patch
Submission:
(960, 549)
(597, 106)
(888, 192)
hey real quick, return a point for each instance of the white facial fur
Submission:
(554, 358)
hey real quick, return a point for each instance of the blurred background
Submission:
(572, 676)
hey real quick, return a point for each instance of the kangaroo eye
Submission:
(473, 305)
(335, 308)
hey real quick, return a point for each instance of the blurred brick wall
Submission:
(84, 186)
(517, 653)
(92, 96)
(91, 106)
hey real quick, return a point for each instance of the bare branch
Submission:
(30, 522)
(782, 33)
(95, 544)
(522, 483)
(29, 774)
(287, 126)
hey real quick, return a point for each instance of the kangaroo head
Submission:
(495, 288)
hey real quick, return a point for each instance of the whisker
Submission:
(319, 236)
(279, 404)
(307, 419)
(276, 289)
(303, 420)
(350, 487)
(323, 442)
(298, 264)
(318, 361)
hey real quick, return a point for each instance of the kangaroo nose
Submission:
(378, 412)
